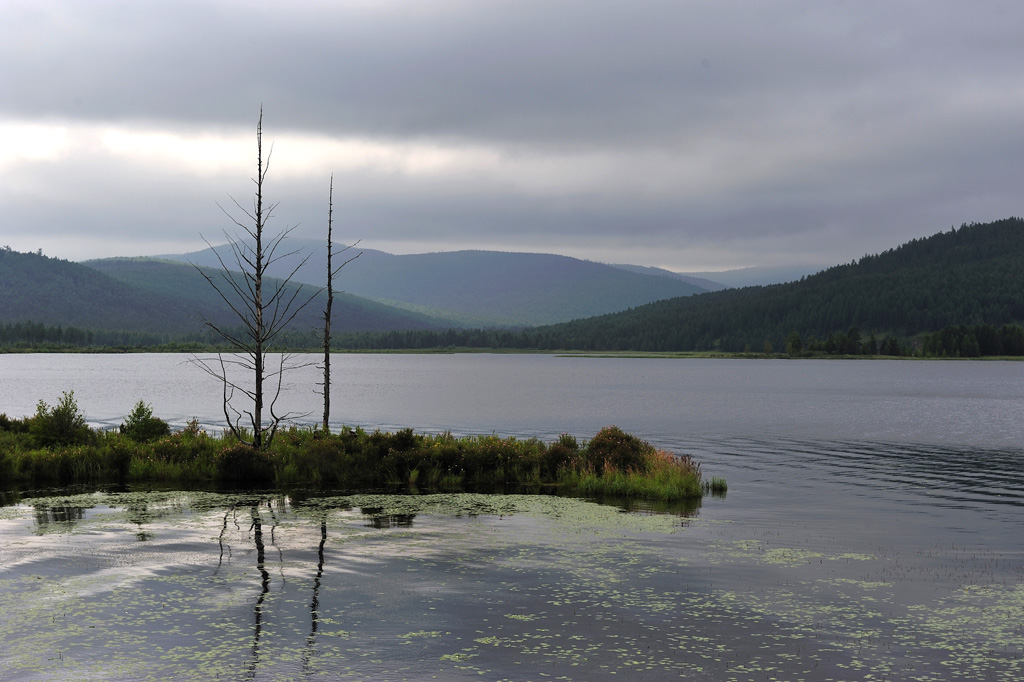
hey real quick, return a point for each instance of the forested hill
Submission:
(166, 279)
(141, 296)
(47, 290)
(972, 275)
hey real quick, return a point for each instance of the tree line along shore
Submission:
(954, 341)
(56, 447)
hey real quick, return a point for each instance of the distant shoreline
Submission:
(638, 355)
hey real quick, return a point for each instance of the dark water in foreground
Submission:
(873, 530)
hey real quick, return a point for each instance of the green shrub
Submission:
(318, 459)
(381, 443)
(13, 425)
(568, 441)
(116, 452)
(185, 447)
(62, 424)
(62, 465)
(243, 465)
(141, 426)
(560, 455)
(615, 449)
(556, 458)
(13, 442)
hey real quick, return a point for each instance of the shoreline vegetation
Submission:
(55, 447)
(973, 342)
(624, 354)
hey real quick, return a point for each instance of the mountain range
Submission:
(966, 276)
(476, 288)
(169, 296)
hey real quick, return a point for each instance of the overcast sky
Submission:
(689, 135)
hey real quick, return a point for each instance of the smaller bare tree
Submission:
(332, 272)
(263, 315)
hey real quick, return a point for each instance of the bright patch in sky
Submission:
(32, 142)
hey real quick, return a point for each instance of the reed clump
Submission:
(661, 476)
(613, 463)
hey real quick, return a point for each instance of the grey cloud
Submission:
(843, 127)
(529, 72)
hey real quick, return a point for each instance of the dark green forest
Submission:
(967, 276)
(51, 291)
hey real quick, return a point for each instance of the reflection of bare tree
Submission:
(273, 540)
(314, 605)
(257, 529)
(220, 539)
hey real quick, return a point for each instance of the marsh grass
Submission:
(716, 486)
(613, 463)
(665, 477)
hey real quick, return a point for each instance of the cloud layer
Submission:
(688, 135)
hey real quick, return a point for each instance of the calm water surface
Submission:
(874, 529)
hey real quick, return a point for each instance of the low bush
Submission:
(62, 424)
(318, 459)
(242, 465)
(13, 425)
(563, 454)
(141, 426)
(116, 454)
(613, 448)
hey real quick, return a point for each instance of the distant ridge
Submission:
(703, 283)
(760, 275)
(167, 278)
(485, 288)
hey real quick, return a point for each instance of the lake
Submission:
(872, 530)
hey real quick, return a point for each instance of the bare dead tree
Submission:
(332, 272)
(263, 315)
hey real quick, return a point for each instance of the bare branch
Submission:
(263, 318)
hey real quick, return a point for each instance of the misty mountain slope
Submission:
(702, 282)
(968, 276)
(485, 287)
(760, 275)
(182, 281)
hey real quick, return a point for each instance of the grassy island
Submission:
(56, 447)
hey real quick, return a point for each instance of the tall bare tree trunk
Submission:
(331, 274)
(263, 318)
(259, 267)
(327, 312)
